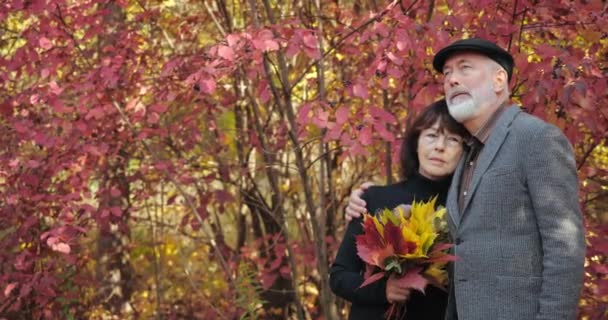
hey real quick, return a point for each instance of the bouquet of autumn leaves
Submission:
(412, 245)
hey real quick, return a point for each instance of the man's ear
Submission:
(501, 80)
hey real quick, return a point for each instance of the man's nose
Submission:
(452, 80)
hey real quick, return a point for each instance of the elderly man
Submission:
(513, 204)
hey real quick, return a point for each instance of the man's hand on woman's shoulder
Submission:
(356, 205)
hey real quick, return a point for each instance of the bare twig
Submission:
(217, 23)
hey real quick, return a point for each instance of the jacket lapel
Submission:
(452, 201)
(490, 149)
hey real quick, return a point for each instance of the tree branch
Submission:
(341, 40)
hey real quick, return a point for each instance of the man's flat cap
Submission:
(487, 48)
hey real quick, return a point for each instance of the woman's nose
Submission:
(440, 143)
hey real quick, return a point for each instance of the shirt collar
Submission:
(484, 132)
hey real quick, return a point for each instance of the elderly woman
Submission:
(431, 149)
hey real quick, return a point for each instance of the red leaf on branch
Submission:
(171, 199)
(292, 49)
(9, 288)
(333, 134)
(601, 269)
(265, 34)
(384, 133)
(115, 192)
(263, 90)
(153, 117)
(169, 67)
(45, 43)
(116, 211)
(61, 247)
(396, 60)
(310, 41)
(403, 43)
(304, 113)
(268, 279)
(58, 106)
(382, 29)
(546, 50)
(96, 113)
(232, 39)
(224, 196)
(342, 115)
(271, 45)
(365, 136)
(382, 115)
(423, 98)
(33, 164)
(55, 89)
(265, 41)
(207, 85)
(202, 212)
(25, 290)
(381, 65)
(321, 118)
(159, 108)
(226, 53)
(312, 53)
(276, 263)
(359, 90)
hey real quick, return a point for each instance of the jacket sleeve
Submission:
(553, 188)
(346, 273)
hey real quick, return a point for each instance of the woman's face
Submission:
(438, 152)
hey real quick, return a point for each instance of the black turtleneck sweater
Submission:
(346, 273)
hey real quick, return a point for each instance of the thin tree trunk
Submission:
(388, 146)
(157, 233)
(286, 105)
(114, 270)
(294, 272)
(328, 302)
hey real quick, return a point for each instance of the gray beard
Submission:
(463, 111)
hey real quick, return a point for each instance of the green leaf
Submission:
(393, 264)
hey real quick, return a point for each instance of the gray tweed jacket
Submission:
(520, 237)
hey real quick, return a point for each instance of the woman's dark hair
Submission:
(437, 111)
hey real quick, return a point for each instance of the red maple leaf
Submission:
(392, 234)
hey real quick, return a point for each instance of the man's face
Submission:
(468, 86)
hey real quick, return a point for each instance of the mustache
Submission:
(456, 92)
